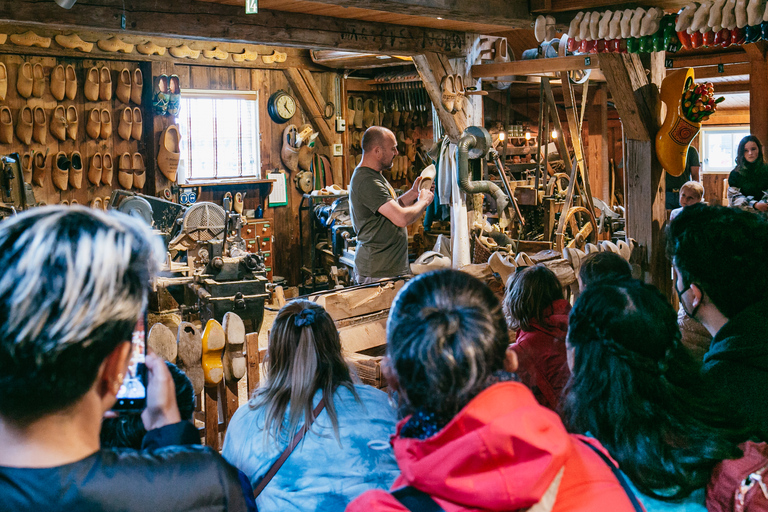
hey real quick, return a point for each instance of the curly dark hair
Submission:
(637, 389)
(722, 251)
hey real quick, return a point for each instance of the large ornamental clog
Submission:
(676, 133)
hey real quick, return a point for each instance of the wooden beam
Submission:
(490, 12)
(535, 66)
(308, 94)
(731, 116)
(432, 68)
(731, 87)
(758, 99)
(626, 80)
(553, 6)
(597, 149)
(709, 59)
(228, 23)
(727, 70)
(637, 100)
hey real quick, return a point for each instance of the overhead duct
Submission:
(475, 143)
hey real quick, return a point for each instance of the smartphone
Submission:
(132, 396)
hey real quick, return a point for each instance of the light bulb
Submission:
(554, 134)
(502, 136)
(527, 135)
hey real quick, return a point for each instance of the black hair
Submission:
(637, 390)
(127, 430)
(73, 286)
(722, 251)
(603, 265)
(740, 161)
(446, 335)
(529, 293)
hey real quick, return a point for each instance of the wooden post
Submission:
(212, 417)
(637, 100)
(252, 357)
(597, 153)
(758, 82)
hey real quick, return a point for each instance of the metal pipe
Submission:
(467, 142)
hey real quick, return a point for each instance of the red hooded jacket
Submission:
(502, 452)
(542, 355)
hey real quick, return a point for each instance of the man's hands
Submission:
(162, 408)
(426, 195)
(761, 206)
(415, 186)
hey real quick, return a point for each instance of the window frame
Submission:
(213, 94)
(703, 144)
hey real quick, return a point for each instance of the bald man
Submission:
(379, 217)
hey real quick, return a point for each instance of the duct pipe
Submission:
(476, 142)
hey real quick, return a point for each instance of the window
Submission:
(719, 145)
(220, 135)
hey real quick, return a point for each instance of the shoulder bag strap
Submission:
(415, 500)
(619, 476)
(288, 449)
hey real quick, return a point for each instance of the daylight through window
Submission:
(220, 134)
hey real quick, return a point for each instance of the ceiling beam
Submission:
(535, 66)
(491, 12)
(553, 6)
(724, 70)
(228, 23)
(710, 59)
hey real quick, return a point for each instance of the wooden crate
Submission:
(368, 366)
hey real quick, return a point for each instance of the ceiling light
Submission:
(554, 134)
(67, 4)
(527, 135)
(439, 18)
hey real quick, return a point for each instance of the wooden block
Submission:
(360, 301)
(368, 369)
(363, 336)
(212, 417)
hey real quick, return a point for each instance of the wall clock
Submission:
(281, 107)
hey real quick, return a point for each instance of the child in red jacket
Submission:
(534, 306)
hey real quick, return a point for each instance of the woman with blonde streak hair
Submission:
(343, 452)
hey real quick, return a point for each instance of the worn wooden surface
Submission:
(360, 301)
(432, 68)
(639, 111)
(597, 144)
(758, 83)
(228, 23)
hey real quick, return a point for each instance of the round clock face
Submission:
(281, 107)
(286, 107)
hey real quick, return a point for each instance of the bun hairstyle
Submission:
(446, 335)
(303, 356)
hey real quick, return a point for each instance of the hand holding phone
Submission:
(132, 396)
(162, 408)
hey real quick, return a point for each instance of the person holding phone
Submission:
(72, 291)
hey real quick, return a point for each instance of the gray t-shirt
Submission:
(382, 247)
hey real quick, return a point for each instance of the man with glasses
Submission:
(721, 277)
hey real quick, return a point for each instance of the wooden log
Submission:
(228, 23)
(360, 301)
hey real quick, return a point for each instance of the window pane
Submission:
(220, 136)
(719, 147)
(227, 138)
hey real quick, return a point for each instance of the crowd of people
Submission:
(525, 403)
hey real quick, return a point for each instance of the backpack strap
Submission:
(619, 476)
(288, 449)
(416, 500)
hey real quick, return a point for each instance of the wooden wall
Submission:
(48, 194)
(287, 247)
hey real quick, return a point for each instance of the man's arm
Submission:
(401, 216)
(695, 172)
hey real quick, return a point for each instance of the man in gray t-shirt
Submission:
(379, 217)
